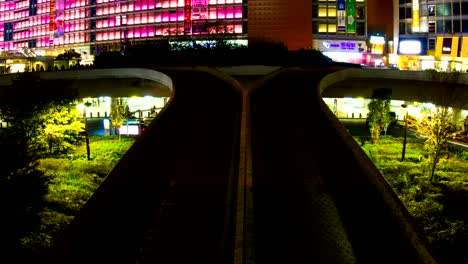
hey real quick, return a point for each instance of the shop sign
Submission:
(339, 46)
(341, 15)
(351, 16)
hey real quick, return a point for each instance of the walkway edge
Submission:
(243, 244)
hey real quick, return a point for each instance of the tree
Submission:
(40, 109)
(379, 113)
(436, 126)
(69, 55)
(61, 127)
(117, 113)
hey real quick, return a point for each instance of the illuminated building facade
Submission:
(42, 27)
(433, 34)
(340, 29)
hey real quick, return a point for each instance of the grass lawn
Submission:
(71, 182)
(440, 207)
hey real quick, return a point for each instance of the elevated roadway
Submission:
(232, 175)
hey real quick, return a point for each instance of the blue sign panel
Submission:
(341, 15)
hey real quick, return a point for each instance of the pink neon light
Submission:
(144, 19)
(238, 12)
(238, 28)
(165, 17)
(221, 13)
(173, 16)
(137, 6)
(158, 18)
(212, 2)
(221, 2)
(212, 13)
(229, 12)
(165, 4)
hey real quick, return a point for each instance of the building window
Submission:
(448, 27)
(444, 10)
(322, 28)
(464, 25)
(408, 13)
(402, 12)
(432, 27)
(322, 11)
(456, 9)
(402, 28)
(361, 28)
(332, 11)
(360, 14)
(431, 10)
(456, 26)
(432, 44)
(440, 26)
(332, 28)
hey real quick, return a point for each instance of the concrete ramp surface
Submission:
(224, 175)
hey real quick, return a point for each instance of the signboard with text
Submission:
(350, 16)
(341, 15)
(199, 9)
(188, 17)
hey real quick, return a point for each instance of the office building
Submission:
(433, 34)
(31, 28)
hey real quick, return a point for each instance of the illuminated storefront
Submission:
(410, 51)
(342, 51)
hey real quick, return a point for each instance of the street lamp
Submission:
(83, 109)
(405, 132)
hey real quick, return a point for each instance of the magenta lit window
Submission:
(151, 4)
(221, 13)
(238, 12)
(229, 12)
(238, 28)
(180, 15)
(173, 16)
(137, 33)
(165, 16)
(137, 5)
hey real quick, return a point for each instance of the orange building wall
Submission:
(380, 17)
(281, 20)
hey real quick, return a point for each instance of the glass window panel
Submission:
(322, 11)
(322, 28)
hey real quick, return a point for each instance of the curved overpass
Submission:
(120, 82)
(421, 86)
(231, 178)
